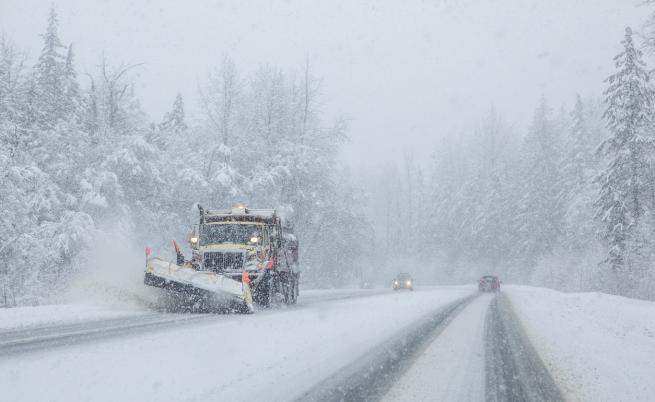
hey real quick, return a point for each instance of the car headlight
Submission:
(409, 283)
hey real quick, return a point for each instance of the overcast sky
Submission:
(404, 72)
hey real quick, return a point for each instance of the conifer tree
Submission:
(174, 120)
(71, 88)
(50, 75)
(539, 216)
(624, 184)
(579, 153)
(578, 191)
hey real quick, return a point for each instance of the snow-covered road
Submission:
(28, 329)
(441, 343)
(273, 355)
(452, 367)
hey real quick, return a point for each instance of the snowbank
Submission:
(26, 317)
(598, 347)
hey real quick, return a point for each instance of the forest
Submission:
(79, 158)
(568, 202)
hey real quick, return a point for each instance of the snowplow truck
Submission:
(228, 246)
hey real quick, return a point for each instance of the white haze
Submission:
(461, 81)
(406, 73)
(112, 272)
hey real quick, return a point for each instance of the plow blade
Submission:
(184, 279)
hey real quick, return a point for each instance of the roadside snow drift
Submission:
(597, 347)
(27, 317)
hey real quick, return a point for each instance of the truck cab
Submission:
(229, 242)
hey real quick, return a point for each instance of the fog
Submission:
(449, 200)
(405, 74)
(452, 139)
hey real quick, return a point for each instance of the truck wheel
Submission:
(264, 292)
(287, 293)
(265, 297)
(286, 283)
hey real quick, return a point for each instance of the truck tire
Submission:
(290, 289)
(288, 292)
(264, 293)
(293, 291)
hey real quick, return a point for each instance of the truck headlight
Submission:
(193, 240)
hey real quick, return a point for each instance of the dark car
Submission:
(403, 281)
(489, 283)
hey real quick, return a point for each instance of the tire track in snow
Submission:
(370, 378)
(452, 366)
(514, 370)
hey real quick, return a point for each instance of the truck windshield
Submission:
(228, 233)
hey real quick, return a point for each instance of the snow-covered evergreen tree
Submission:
(578, 189)
(71, 89)
(50, 73)
(539, 212)
(174, 121)
(491, 226)
(626, 184)
(579, 152)
(173, 124)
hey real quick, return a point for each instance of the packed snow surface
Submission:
(598, 347)
(27, 317)
(452, 368)
(273, 355)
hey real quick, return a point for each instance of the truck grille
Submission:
(218, 261)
